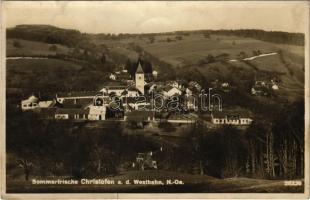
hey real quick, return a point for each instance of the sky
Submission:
(160, 16)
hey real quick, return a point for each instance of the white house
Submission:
(112, 77)
(195, 84)
(46, 104)
(275, 87)
(231, 118)
(31, 103)
(71, 113)
(188, 92)
(117, 90)
(170, 91)
(135, 103)
(131, 91)
(191, 103)
(155, 74)
(60, 97)
(97, 112)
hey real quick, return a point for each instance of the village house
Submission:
(134, 103)
(169, 91)
(60, 97)
(85, 109)
(180, 84)
(231, 118)
(112, 76)
(191, 103)
(145, 161)
(114, 89)
(188, 92)
(131, 91)
(260, 88)
(71, 113)
(33, 103)
(196, 85)
(155, 74)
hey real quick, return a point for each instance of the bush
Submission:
(166, 126)
(17, 44)
(53, 47)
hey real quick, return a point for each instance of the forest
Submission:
(269, 150)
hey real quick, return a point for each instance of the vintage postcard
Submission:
(154, 99)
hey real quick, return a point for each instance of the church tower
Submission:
(140, 78)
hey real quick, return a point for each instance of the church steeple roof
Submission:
(139, 69)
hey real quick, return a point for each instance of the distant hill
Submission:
(207, 54)
(48, 34)
(70, 37)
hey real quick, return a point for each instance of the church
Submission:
(140, 79)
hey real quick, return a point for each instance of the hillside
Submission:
(20, 47)
(209, 55)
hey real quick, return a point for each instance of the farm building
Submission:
(33, 103)
(60, 97)
(133, 103)
(231, 118)
(145, 161)
(117, 90)
(71, 113)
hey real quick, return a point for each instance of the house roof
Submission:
(31, 99)
(78, 103)
(134, 99)
(132, 88)
(78, 94)
(116, 87)
(230, 114)
(123, 75)
(71, 111)
(168, 88)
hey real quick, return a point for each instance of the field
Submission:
(184, 55)
(32, 48)
(28, 76)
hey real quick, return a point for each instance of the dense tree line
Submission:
(264, 150)
(49, 148)
(47, 34)
(268, 36)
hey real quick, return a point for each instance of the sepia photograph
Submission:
(155, 97)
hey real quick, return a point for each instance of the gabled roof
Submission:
(231, 114)
(78, 94)
(116, 87)
(71, 111)
(169, 87)
(139, 99)
(79, 103)
(132, 88)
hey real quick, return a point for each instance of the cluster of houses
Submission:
(125, 98)
(264, 88)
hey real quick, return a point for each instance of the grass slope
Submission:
(32, 48)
